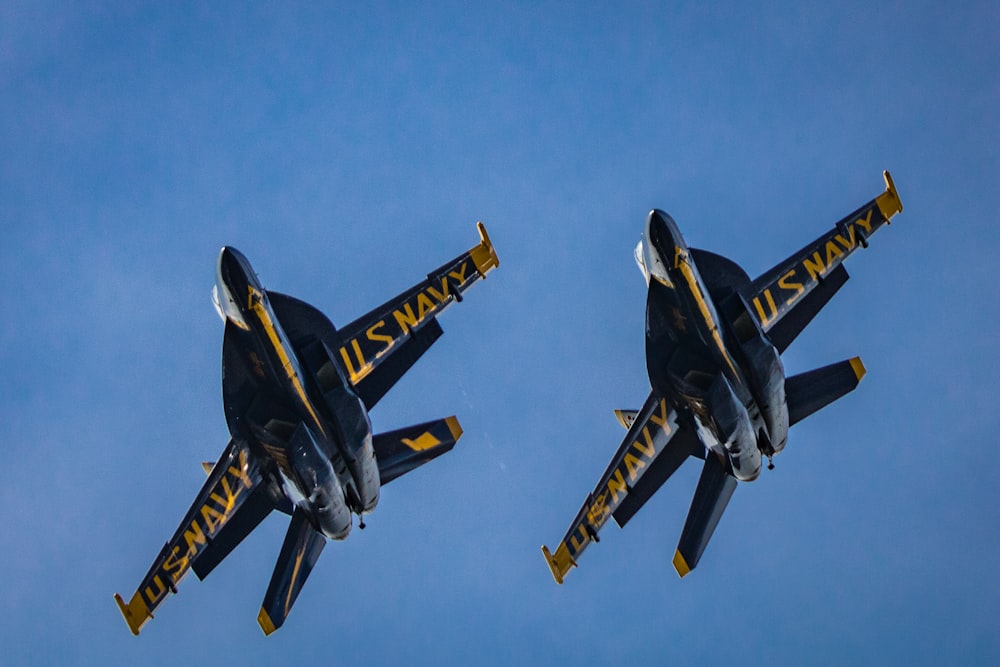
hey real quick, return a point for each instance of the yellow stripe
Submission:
(286, 362)
(295, 574)
(705, 312)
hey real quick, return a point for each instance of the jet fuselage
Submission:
(320, 439)
(701, 363)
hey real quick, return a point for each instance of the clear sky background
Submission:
(347, 151)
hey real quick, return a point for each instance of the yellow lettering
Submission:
(229, 502)
(443, 294)
(194, 535)
(424, 305)
(785, 283)
(851, 239)
(347, 362)
(634, 465)
(647, 449)
(360, 357)
(405, 318)
(152, 597)
(814, 265)
(240, 471)
(760, 309)
(617, 484)
(832, 252)
(209, 514)
(866, 222)
(460, 274)
(661, 419)
(388, 341)
(176, 565)
(765, 319)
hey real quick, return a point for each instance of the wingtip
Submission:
(265, 622)
(484, 255)
(681, 565)
(134, 624)
(888, 202)
(550, 560)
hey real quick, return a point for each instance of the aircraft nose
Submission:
(234, 269)
(662, 231)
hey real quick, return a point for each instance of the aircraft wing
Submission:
(231, 503)
(380, 346)
(788, 296)
(654, 447)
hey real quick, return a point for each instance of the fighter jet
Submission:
(719, 391)
(297, 392)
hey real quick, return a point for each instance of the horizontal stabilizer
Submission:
(299, 553)
(715, 488)
(812, 391)
(399, 452)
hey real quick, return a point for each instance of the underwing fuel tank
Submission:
(316, 481)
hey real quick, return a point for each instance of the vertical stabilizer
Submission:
(715, 488)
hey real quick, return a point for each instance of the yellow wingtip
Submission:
(858, 368)
(265, 622)
(207, 467)
(553, 567)
(888, 202)
(680, 564)
(137, 617)
(484, 255)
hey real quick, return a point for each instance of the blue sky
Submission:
(347, 150)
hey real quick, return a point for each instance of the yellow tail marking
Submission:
(454, 427)
(858, 368)
(680, 564)
(425, 441)
(265, 622)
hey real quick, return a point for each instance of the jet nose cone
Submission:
(663, 233)
(234, 268)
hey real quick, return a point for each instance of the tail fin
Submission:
(299, 553)
(399, 452)
(812, 391)
(715, 488)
